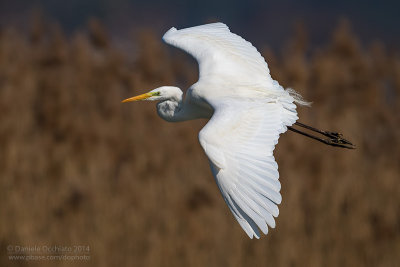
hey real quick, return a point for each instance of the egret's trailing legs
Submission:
(335, 139)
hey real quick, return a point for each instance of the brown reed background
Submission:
(77, 167)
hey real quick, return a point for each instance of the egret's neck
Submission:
(175, 109)
(171, 110)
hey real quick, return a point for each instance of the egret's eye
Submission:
(156, 93)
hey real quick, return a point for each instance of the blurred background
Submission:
(79, 168)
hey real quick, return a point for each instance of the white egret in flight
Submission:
(247, 111)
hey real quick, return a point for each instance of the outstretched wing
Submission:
(241, 135)
(239, 140)
(222, 55)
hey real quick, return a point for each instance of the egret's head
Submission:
(159, 94)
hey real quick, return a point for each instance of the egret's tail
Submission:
(298, 99)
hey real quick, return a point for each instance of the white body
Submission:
(247, 110)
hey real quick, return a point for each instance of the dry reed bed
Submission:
(77, 167)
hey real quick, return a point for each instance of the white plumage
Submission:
(248, 111)
(239, 141)
(222, 54)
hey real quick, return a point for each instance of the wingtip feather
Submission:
(168, 34)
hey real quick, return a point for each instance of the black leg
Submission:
(334, 139)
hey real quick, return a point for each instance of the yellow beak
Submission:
(137, 98)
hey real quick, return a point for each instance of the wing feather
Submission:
(223, 55)
(245, 136)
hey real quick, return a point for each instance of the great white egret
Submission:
(247, 111)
